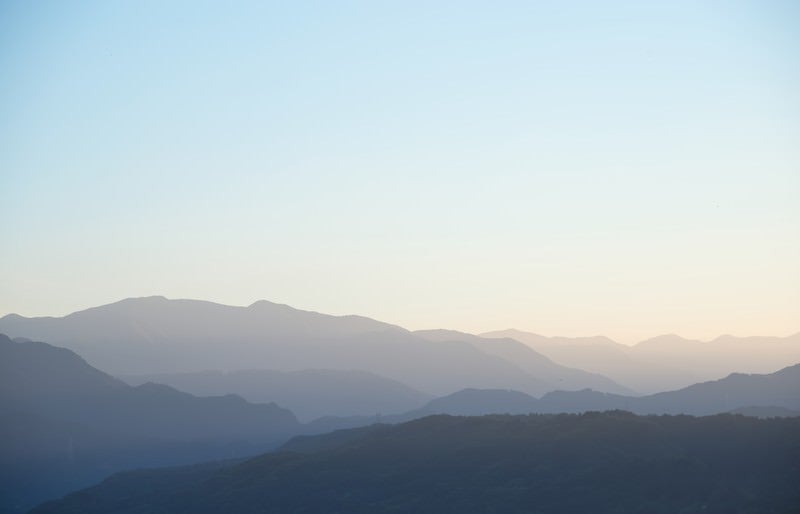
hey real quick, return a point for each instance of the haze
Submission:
(617, 168)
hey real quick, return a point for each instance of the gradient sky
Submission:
(569, 168)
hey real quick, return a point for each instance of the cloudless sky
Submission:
(569, 168)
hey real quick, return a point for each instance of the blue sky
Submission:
(626, 168)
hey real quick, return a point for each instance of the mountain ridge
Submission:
(597, 462)
(65, 424)
(665, 362)
(779, 390)
(309, 393)
(155, 335)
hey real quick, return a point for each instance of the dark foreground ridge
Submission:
(594, 462)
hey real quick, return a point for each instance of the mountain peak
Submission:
(264, 304)
(667, 339)
(142, 300)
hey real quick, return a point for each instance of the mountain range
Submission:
(599, 462)
(309, 394)
(665, 362)
(156, 336)
(198, 381)
(775, 394)
(65, 424)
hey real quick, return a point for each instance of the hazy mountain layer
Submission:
(664, 363)
(156, 335)
(723, 355)
(309, 394)
(779, 390)
(533, 362)
(601, 463)
(56, 383)
(65, 424)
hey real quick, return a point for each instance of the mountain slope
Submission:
(531, 361)
(156, 335)
(664, 363)
(779, 390)
(137, 334)
(56, 383)
(65, 424)
(309, 394)
(602, 355)
(478, 402)
(601, 463)
(721, 356)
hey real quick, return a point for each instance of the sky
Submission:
(568, 168)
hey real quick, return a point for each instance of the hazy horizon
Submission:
(622, 169)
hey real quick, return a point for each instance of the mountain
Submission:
(309, 394)
(666, 362)
(723, 355)
(531, 361)
(602, 355)
(779, 390)
(56, 383)
(65, 424)
(599, 462)
(43, 458)
(477, 402)
(156, 335)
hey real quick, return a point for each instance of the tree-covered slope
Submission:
(597, 462)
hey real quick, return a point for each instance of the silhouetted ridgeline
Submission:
(154, 335)
(157, 335)
(65, 424)
(600, 463)
(774, 394)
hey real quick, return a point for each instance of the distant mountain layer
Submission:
(531, 361)
(155, 335)
(779, 390)
(56, 383)
(65, 424)
(309, 394)
(723, 355)
(667, 362)
(600, 463)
